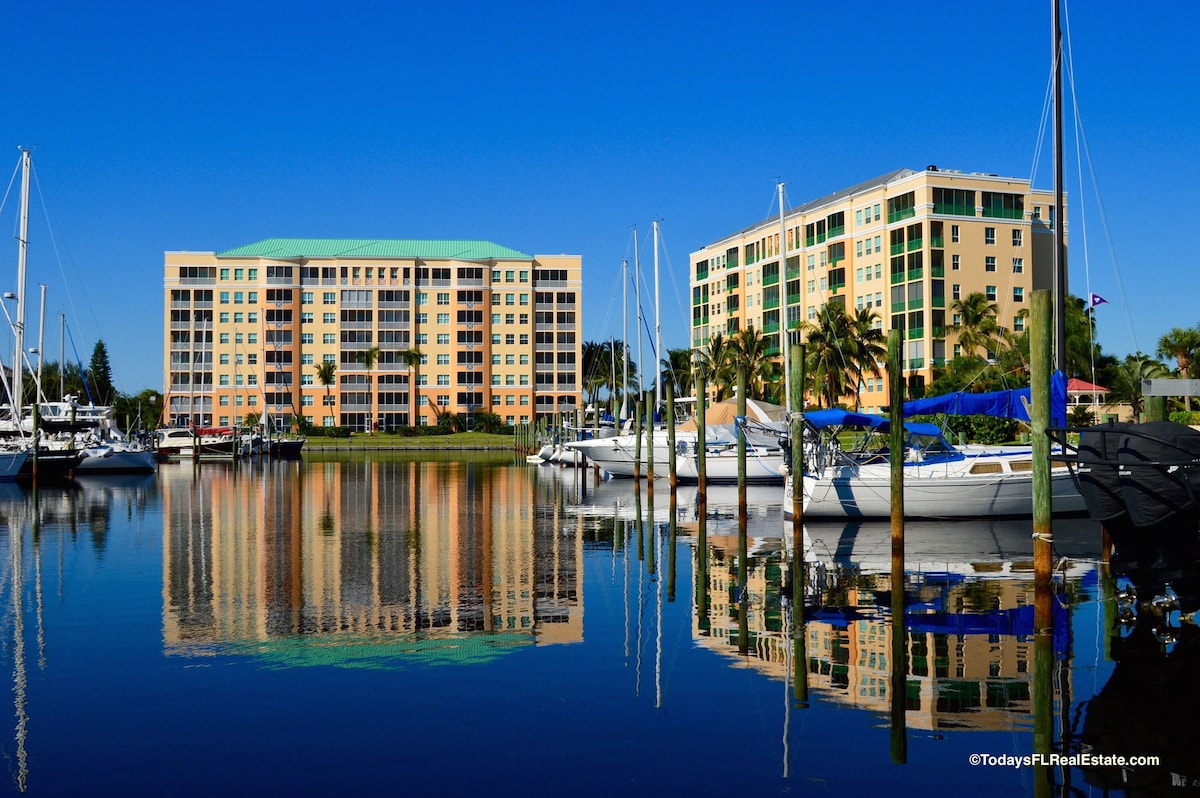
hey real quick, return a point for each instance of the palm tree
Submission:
(867, 347)
(326, 374)
(976, 322)
(829, 347)
(748, 350)
(1182, 346)
(595, 367)
(412, 358)
(369, 357)
(677, 369)
(716, 367)
(1127, 387)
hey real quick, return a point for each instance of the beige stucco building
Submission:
(903, 246)
(246, 330)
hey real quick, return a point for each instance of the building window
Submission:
(224, 317)
(224, 297)
(990, 293)
(329, 318)
(1018, 294)
(955, 291)
(1016, 236)
(443, 360)
(954, 263)
(989, 235)
(1018, 324)
(953, 234)
(329, 298)
(329, 338)
(422, 339)
(306, 338)
(443, 298)
(1018, 265)
(443, 400)
(989, 264)
(306, 297)
(422, 298)
(306, 318)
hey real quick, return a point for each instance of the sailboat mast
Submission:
(637, 297)
(625, 339)
(657, 329)
(783, 336)
(1060, 260)
(62, 356)
(22, 255)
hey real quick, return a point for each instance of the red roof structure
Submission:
(1079, 386)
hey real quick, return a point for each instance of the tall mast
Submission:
(657, 330)
(62, 356)
(22, 255)
(1060, 259)
(637, 294)
(624, 339)
(783, 336)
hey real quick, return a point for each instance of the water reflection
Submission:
(38, 524)
(401, 563)
(376, 563)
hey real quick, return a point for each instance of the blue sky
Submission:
(558, 127)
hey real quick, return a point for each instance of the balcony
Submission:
(896, 249)
(916, 333)
(771, 327)
(937, 242)
(772, 304)
(916, 304)
(771, 279)
(954, 210)
(915, 274)
(897, 307)
(904, 213)
(916, 363)
(914, 244)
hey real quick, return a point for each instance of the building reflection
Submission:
(452, 560)
(968, 635)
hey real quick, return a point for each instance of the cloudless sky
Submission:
(557, 127)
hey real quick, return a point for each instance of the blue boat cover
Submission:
(834, 417)
(998, 404)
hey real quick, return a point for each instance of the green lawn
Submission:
(463, 440)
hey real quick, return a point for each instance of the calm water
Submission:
(488, 627)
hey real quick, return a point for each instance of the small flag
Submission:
(1097, 300)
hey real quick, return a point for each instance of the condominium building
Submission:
(414, 329)
(904, 246)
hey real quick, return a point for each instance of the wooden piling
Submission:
(1040, 329)
(799, 572)
(743, 547)
(673, 479)
(637, 442)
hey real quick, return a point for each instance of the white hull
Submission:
(931, 492)
(616, 454)
(114, 460)
(11, 463)
(761, 467)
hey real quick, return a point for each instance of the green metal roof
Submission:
(291, 248)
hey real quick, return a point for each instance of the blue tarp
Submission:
(834, 417)
(998, 404)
